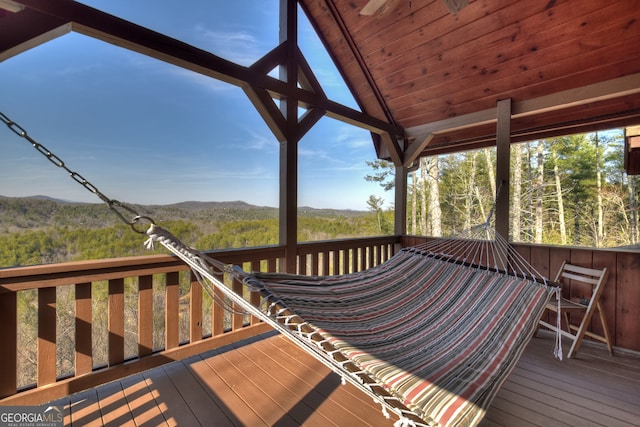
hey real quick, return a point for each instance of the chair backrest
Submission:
(591, 276)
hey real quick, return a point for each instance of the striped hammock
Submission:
(431, 338)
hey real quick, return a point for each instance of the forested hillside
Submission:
(38, 230)
(568, 190)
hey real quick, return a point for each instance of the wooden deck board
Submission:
(85, 408)
(140, 402)
(270, 381)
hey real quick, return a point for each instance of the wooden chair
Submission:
(586, 305)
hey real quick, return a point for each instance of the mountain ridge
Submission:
(40, 211)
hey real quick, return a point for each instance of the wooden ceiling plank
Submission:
(490, 36)
(564, 74)
(519, 72)
(435, 40)
(584, 79)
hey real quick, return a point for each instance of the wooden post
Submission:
(9, 333)
(289, 147)
(115, 310)
(46, 336)
(400, 202)
(84, 343)
(503, 159)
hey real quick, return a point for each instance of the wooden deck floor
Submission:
(252, 383)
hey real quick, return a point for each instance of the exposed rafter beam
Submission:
(94, 23)
(27, 29)
(622, 86)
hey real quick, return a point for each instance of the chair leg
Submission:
(605, 328)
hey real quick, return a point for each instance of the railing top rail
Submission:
(45, 275)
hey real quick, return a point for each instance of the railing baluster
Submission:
(217, 312)
(255, 296)
(195, 310)
(46, 336)
(354, 260)
(9, 334)
(84, 343)
(345, 261)
(272, 265)
(116, 321)
(145, 315)
(237, 319)
(324, 269)
(172, 311)
(336, 262)
(314, 263)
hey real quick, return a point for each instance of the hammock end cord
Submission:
(156, 233)
(557, 350)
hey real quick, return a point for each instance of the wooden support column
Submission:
(503, 162)
(9, 334)
(289, 147)
(400, 202)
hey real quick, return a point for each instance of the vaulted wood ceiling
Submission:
(426, 79)
(567, 65)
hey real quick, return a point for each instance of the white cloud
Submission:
(201, 80)
(258, 141)
(236, 46)
(353, 137)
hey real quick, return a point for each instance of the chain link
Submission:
(117, 207)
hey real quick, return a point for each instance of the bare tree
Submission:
(539, 185)
(490, 171)
(435, 213)
(600, 220)
(516, 200)
(414, 202)
(470, 191)
(631, 185)
(559, 198)
(423, 196)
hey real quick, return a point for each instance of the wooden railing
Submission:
(111, 308)
(621, 294)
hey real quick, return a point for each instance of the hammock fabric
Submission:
(438, 337)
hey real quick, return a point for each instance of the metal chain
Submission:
(117, 207)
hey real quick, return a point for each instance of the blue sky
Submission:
(147, 132)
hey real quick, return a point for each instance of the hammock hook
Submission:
(137, 220)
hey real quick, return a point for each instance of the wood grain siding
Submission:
(627, 300)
